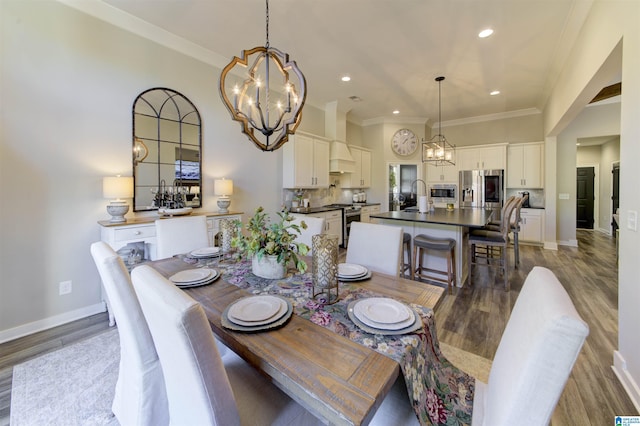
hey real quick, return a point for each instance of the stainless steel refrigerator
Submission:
(482, 189)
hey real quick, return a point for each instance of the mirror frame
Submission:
(172, 121)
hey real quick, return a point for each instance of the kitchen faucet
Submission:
(416, 181)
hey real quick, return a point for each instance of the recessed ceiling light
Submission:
(494, 92)
(485, 33)
(346, 78)
(396, 111)
(578, 144)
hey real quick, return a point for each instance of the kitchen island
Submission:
(440, 223)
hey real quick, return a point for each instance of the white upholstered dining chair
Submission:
(315, 226)
(140, 396)
(375, 246)
(538, 349)
(204, 388)
(180, 235)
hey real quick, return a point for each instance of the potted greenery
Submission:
(271, 246)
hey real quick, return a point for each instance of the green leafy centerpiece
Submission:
(271, 246)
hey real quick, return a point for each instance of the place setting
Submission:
(383, 315)
(194, 277)
(257, 313)
(348, 272)
(206, 252)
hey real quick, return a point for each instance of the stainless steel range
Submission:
(350, 213)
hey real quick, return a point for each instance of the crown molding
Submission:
(491, 117)
(132, 24)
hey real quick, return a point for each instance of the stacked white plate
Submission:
(384, 316)
(206, 252)
(352, 272)
(194, 277)
(257, 313)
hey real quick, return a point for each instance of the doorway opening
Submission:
(401, 176)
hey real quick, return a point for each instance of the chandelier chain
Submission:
(267, 26)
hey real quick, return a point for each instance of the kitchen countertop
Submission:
(471, 218)
(309, 210)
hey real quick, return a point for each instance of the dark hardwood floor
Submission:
(473, 319)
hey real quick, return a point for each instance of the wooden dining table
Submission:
(336, 379)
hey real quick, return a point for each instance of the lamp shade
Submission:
(117, 187)
(223, 187)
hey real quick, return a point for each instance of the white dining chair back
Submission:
(538, 349)
(140, 396)
(180, 235)
(375, 246)
(315, 226)
(204, 388)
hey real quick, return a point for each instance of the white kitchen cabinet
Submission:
(367, 211)
(442, 174)
(531, 225)
(305, 162)
(361, 176)
(332, 222)
(525, 166)
(488, 157)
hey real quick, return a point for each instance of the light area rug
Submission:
(75, 385)
(70, 386)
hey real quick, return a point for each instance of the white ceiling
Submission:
(394, 49)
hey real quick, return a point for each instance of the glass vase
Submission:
(324, 269)
(226, 228)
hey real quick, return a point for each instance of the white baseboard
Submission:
(605, 231)
(54, 321)
(570, 243)
(551, 245)
(619, 367)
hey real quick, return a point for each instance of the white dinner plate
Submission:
(281, 311)
(383, 310)
(351, 270)
(255, 308)
(206, 252)
(192, 276)
(199, 283)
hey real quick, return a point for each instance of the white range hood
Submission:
(335, 128)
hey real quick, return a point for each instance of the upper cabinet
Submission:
(491, 157)
(442, 174)
(361, 176)
(305, 162)
(525, 165)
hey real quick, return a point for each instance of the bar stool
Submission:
(406, 245)
(421, 245)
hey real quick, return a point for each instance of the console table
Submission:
(143, 229)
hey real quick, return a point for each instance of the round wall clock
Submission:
(404, 142)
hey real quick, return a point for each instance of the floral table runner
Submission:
(441, 394)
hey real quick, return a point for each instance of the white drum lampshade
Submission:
(223, 188)
(117, 188)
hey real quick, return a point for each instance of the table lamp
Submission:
(223, 188)
(116, 188)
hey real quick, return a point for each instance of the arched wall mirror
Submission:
(167, 146)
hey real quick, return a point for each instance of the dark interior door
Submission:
(584, 197)
(615, 196)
